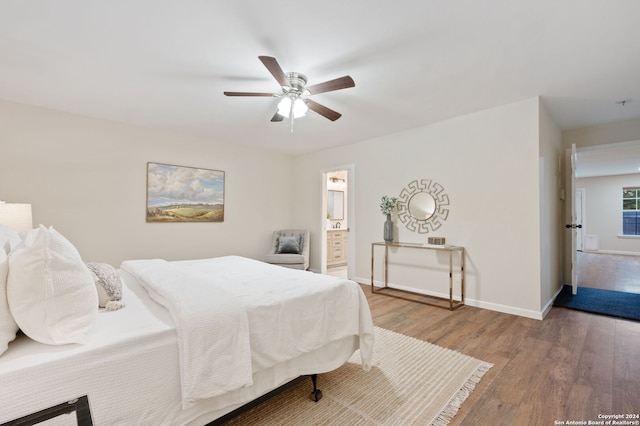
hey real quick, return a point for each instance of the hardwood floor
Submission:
(337, 271)
(570, 366)
(609, 271)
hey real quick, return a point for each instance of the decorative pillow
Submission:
(109, 285)
(50, 290)
(288, 245)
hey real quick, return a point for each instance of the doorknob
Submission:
(572, 225)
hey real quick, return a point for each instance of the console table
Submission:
(398, 293)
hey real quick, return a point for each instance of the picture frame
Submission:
(184, 194)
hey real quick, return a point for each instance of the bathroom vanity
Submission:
(337, 247)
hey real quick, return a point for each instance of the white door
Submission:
(580, 219)
(574, 223)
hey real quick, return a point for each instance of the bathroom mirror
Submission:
(423, 206)
(335, 204)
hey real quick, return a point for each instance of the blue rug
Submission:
(606, 302)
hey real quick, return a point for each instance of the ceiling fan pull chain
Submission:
(291, 115)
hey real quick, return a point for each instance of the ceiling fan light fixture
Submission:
(294, 87)
(284, 106)
(299, 108)
(295, 106)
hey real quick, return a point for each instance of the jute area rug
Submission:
(412, 382)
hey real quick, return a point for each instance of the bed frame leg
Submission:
(316, 394)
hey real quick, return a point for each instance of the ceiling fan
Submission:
(294, 87)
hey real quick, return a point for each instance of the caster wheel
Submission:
(316, 395)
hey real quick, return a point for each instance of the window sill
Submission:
(629, 236)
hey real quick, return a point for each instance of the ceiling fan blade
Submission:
(277, 117)
(248, 94)
(331, 85)
(275, 70)
(322, 110)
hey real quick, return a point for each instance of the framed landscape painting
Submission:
(184, 194)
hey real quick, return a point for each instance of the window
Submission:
(630, 211)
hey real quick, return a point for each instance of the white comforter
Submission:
(236, 316)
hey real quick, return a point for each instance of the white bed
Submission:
(131, 367)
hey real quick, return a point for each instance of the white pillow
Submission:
(50, 290)
(8, 326)
(9, 238)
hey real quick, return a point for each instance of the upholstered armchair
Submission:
(290, 248)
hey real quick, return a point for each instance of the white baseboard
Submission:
(505, 309)
(623, 253)
(472, 302)
(549, 304)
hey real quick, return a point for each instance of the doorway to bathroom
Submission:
(337, 221)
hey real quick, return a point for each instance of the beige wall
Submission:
(603, 211)
(621, 131)
(488, 163)
(551, 209)
(87, 178)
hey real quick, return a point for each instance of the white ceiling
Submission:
(165, 64)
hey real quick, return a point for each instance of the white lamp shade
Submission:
(16, 216)
(299, 107)
(284, 107)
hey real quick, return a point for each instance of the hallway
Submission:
(609, 271)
